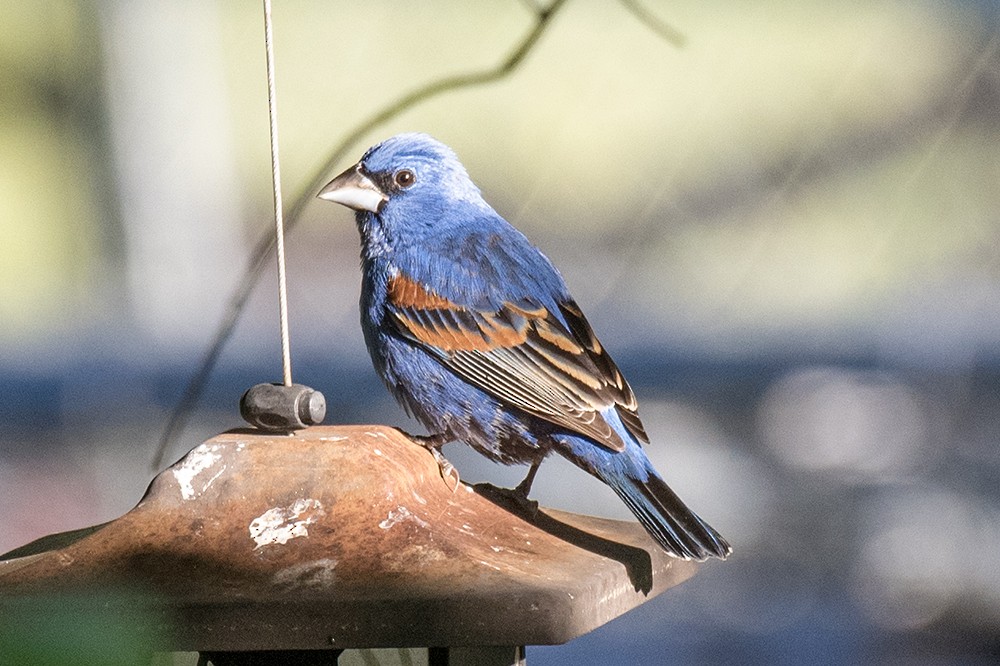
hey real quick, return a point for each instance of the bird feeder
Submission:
(264, 548)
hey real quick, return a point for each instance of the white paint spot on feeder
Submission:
(398, 515)
(307, 575)
(282, 524)
(200, 459)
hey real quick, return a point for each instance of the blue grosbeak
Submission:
(474, 332)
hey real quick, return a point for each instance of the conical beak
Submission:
(355, 190)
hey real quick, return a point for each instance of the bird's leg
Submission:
(433, 443)
(524, 487)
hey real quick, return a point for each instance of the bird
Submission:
(475, 333)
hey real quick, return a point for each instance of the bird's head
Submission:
(404, 186)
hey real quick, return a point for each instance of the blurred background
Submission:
(785, 230)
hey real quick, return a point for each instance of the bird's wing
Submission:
(524, 355)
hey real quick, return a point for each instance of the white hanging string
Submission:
(279, 227)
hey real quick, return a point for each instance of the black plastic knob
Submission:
(277, 407)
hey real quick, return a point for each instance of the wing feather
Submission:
(524, 355)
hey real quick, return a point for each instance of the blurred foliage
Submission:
(109, 629)
(49, 104)
(792, 165)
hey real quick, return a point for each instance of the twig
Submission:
(651, 21)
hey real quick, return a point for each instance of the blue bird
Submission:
(474, 332)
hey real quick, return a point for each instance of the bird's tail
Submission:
(667, 519)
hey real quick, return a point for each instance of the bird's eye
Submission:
(404, 178)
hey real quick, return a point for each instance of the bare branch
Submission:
(654, 23)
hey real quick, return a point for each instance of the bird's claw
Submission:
(433, 444)
(446, 468)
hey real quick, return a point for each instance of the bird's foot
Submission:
(433, 444)
(512, 499)
(447, 469)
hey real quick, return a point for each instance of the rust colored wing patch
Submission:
(523, 355)
(406, 293)
(440, 323)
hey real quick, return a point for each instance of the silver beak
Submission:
(354, 190)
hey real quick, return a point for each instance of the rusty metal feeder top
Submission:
(343, 537)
